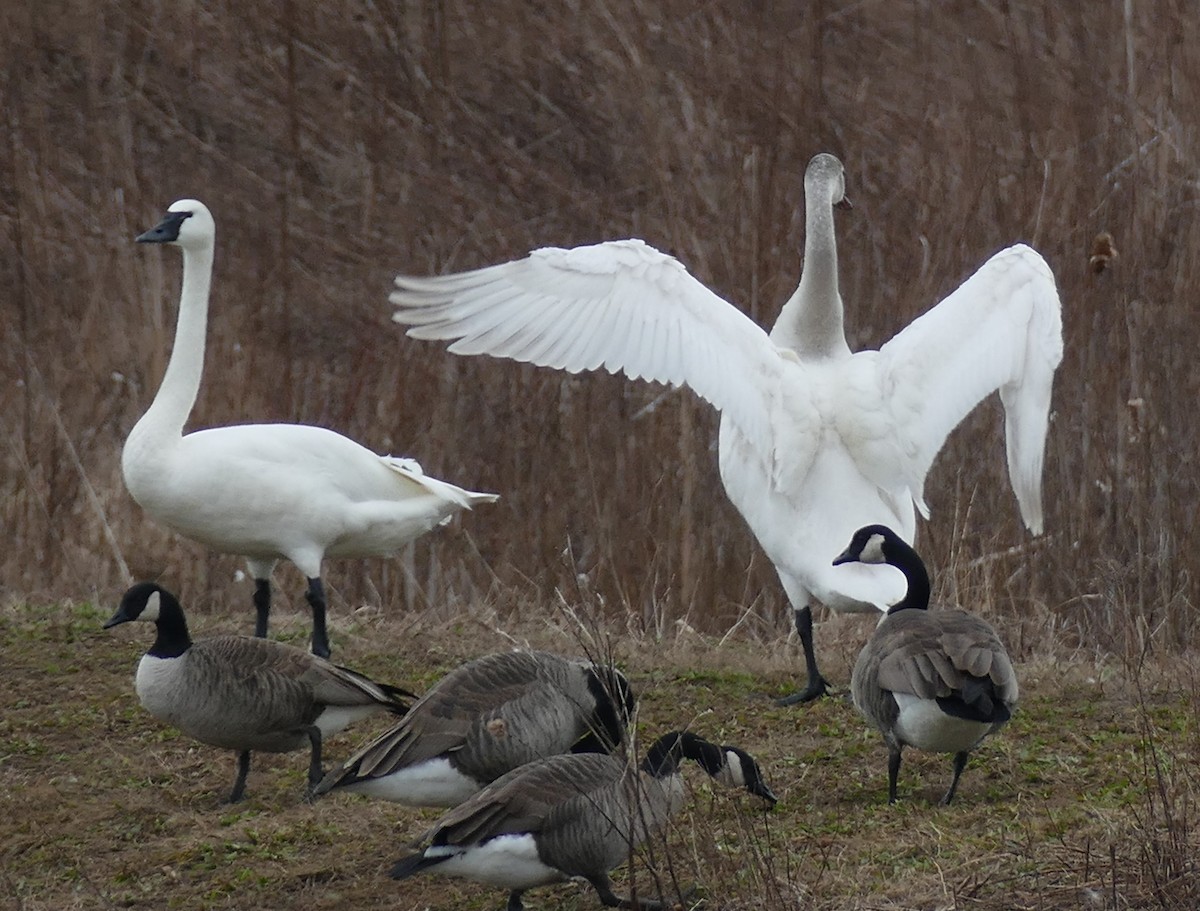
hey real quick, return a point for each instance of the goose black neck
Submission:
(173, 638)
(905, 559)
(665, 754)
(614, 707)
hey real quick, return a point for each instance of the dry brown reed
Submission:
(338, 143)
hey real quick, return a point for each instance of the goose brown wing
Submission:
(443, 719)
(933, 652)
(525, 799)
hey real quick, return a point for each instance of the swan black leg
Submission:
(239, 784)
(817, 685)
(316, 600)
(960, 763)
(262, 606)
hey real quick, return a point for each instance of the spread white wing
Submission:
(620, 305)
(1000, 330)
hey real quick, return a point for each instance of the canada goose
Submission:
(267, 492)
(814, 441)
(577, 814)
(936, 680)
(245, 694)
(484, 719)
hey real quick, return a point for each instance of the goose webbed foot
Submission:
(239, 784)
(960, 763)
(315, 773)
(893, 772)
(316, 600)
(603, 886)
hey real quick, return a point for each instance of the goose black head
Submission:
(870, 544)
(142, 602)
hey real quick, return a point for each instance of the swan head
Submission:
(870, 544)
(187, 224)
(825, 176)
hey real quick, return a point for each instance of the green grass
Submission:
(105, 807)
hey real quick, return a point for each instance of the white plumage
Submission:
(267, 492)
(815, 441)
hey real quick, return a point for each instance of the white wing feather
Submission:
(620, 305)
(1000, 330)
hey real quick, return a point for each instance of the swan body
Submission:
(938, 680)
(267, 492)
(815, 440)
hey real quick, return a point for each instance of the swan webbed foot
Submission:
(814, 690)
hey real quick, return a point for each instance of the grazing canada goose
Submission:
(245, 694)
(814, 441)
(267, 492)
(577, 814)
(484, 719)
(937, 680)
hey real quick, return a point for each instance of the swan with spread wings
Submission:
(816, 441)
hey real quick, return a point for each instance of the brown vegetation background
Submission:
(340, 142)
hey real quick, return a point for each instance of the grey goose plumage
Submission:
(572, 815)
(245, 694)
(484, 719)
(937, 680)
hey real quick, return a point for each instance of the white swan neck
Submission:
(811, 322)
(181, 382)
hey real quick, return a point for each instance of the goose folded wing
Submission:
(1000, 330)
(620, 305)
(524, 799)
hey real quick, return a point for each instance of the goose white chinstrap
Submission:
(267, 492)
(815, 441)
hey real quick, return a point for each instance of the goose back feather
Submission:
(484, 719)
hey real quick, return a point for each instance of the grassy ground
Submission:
(1087, 800)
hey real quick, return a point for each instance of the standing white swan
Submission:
(267, 492)
(815, 442)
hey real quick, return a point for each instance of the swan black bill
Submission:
(166, 231)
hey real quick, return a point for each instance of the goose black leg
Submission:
(262, 606)
(315, 773)
(603, 886)
(239, 784)
(316, 600)
(893, 771)
(960, 763)
(817, 685)
(514, 901)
